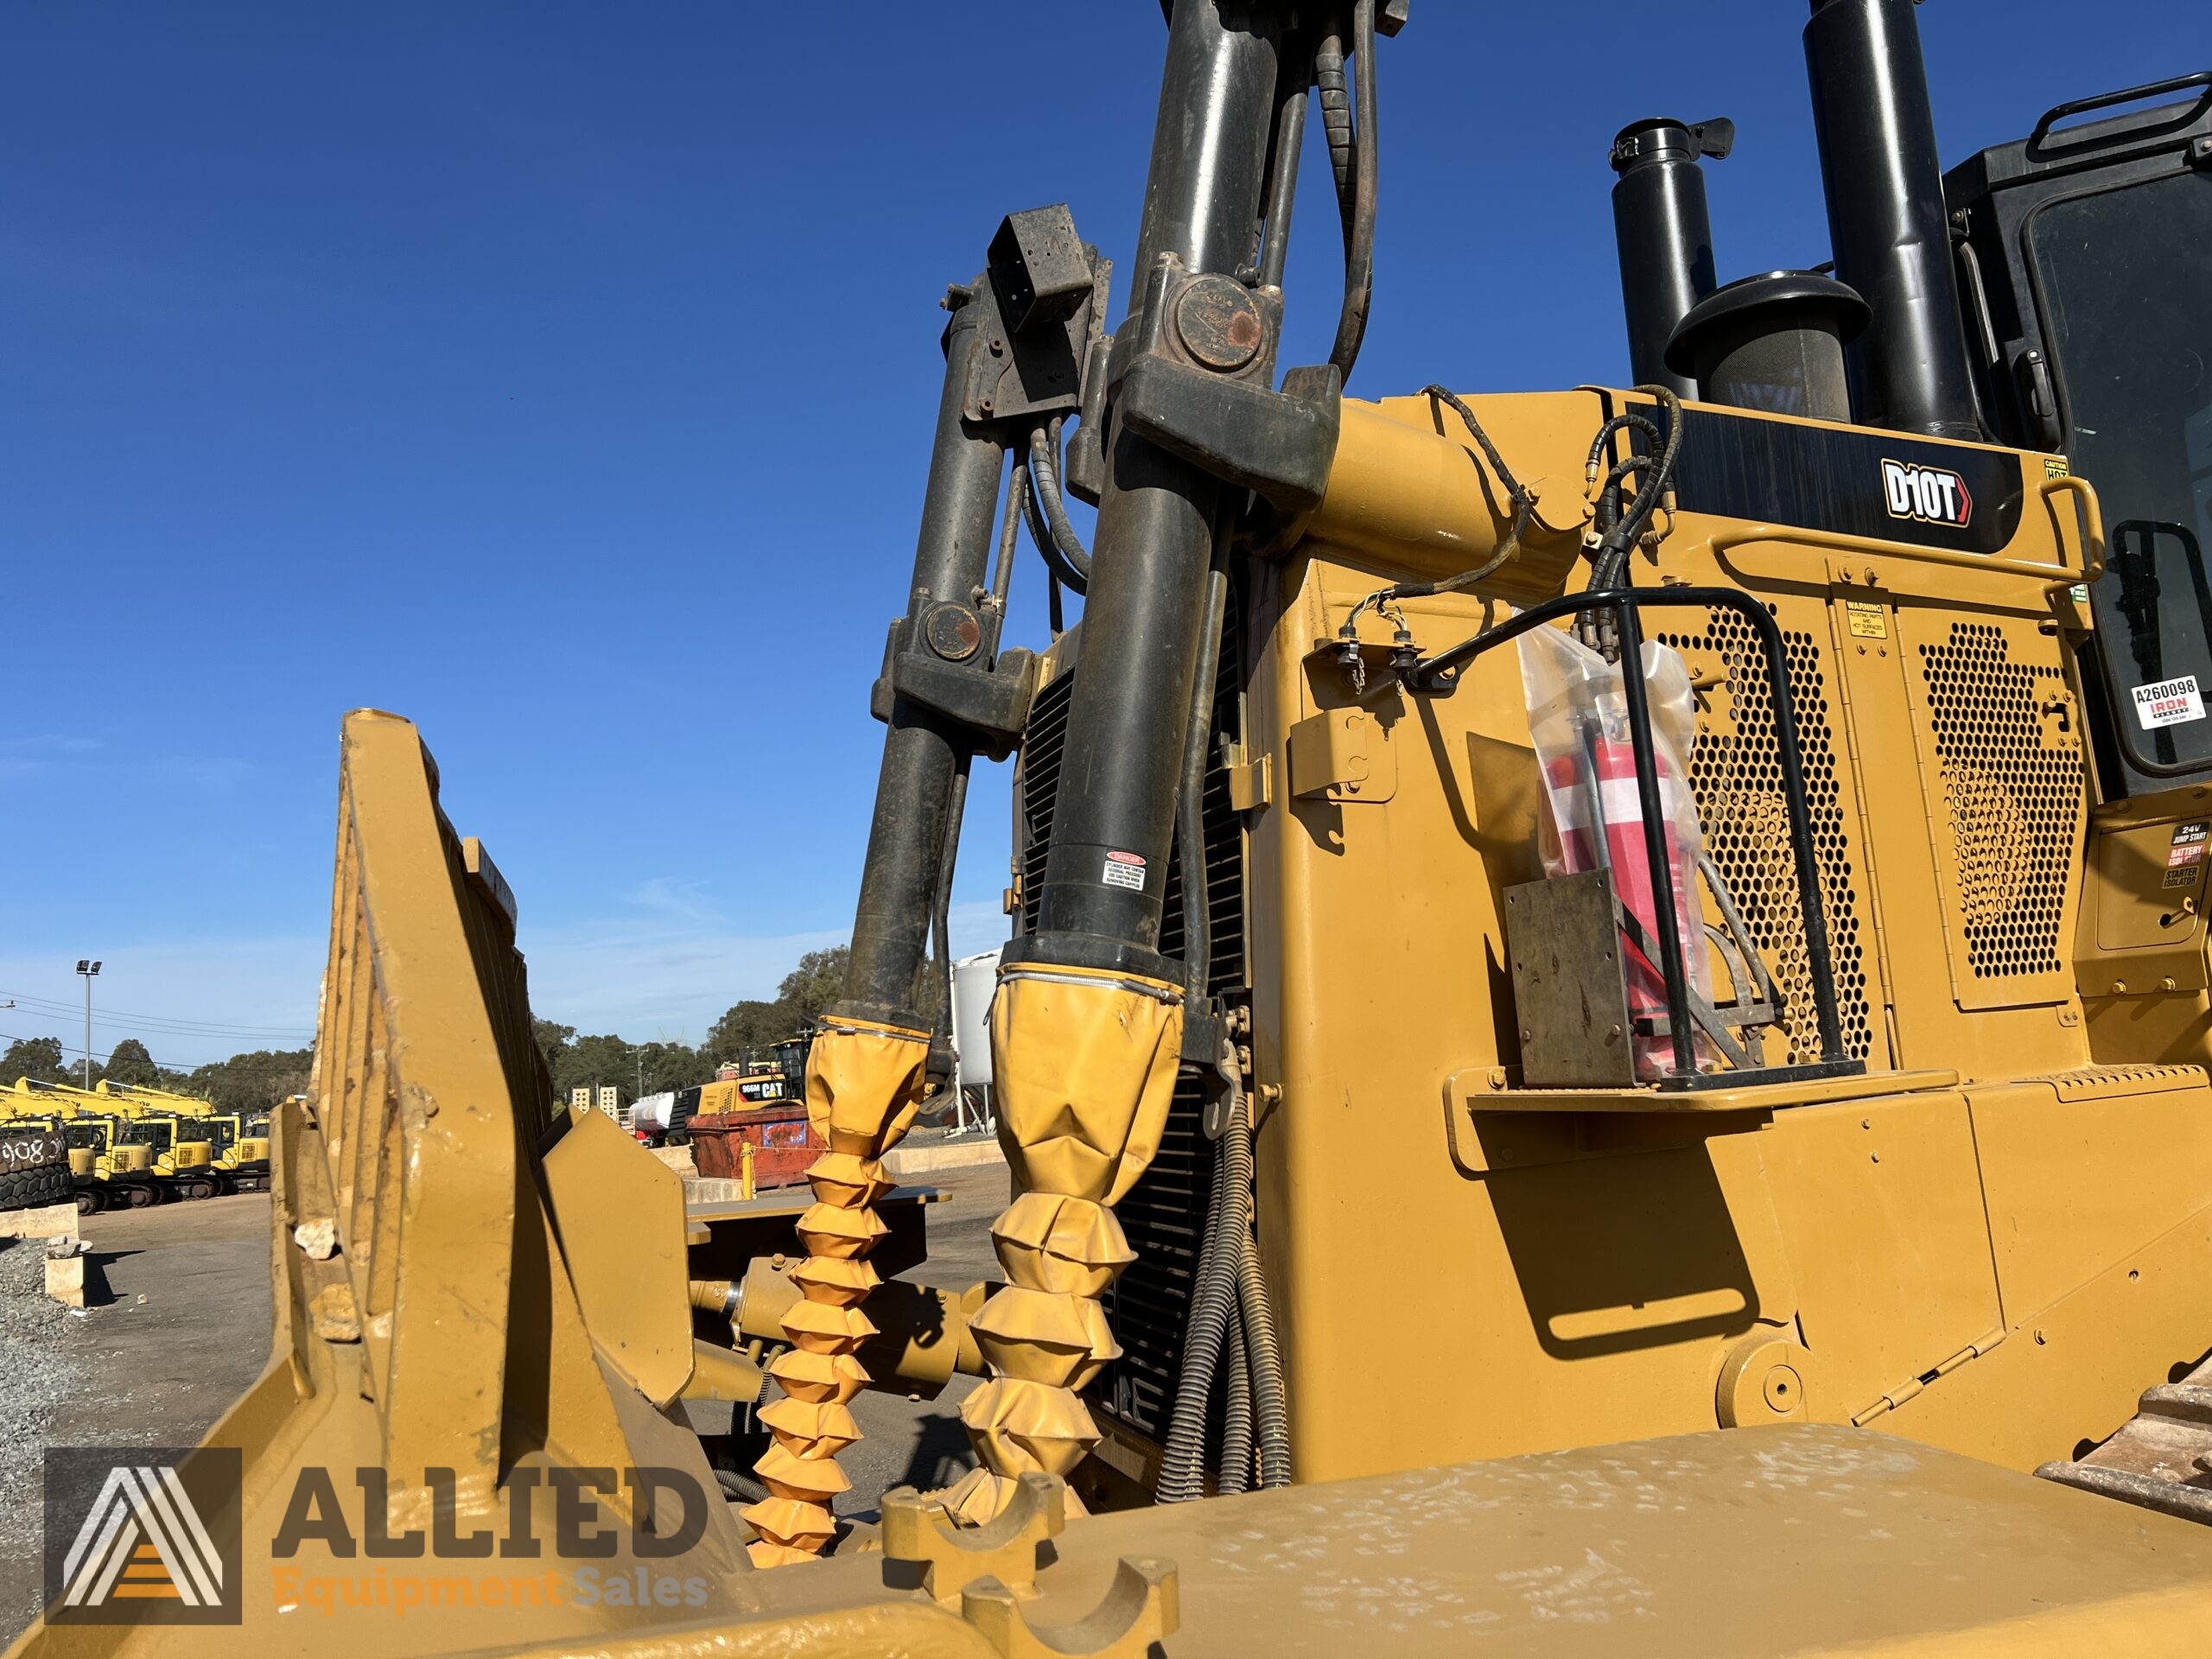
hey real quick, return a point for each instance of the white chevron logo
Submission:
(142, 1541)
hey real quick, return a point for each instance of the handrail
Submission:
(1439, 675)
(2112, 100)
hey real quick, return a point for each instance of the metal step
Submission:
(2160, 1458)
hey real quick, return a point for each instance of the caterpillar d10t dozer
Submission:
(1604, 1047)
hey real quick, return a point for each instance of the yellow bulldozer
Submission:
(1604, 1047)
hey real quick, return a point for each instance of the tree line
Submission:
(245, 1083)
(257, 1081)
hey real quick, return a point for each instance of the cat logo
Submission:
(143, 1550)
(1927, 495)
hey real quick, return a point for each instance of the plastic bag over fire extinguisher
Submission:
(1578, 718)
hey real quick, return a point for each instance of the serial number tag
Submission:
(2169, 702)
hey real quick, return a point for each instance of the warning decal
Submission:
(1124, 870)
(2169, 702)
(2185, 857)
(1866, 620)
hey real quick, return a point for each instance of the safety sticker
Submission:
(2055, 467)
(1865, 622)
(2185, 857)
(2169, 702)
(1124, 870)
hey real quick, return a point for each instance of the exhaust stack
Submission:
(1886, 219)
(1664, 235)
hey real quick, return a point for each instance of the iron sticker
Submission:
(2169, 702)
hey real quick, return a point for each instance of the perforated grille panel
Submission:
(2011, 782)
(1736, 779)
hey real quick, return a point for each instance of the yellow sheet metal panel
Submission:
(619, 1213)
(1880, 1205)
(2073, 1185)
(1803, 1541)
(2074, 1371)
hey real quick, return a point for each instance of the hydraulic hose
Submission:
(1270, 1407)
(1235, 1470)
(1359, 220)
(1055, 535)
(1190, 805)
(1214, 1291)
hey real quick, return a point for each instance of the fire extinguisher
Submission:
(1607, 833)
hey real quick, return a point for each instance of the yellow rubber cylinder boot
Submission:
(863, 1086)
(1082, 1065)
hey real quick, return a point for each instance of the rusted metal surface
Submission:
(784, 1144)
(2160, 1458)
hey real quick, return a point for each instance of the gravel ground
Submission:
(40, 1366)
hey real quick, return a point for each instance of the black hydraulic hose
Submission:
(1270, 1407)
(1235, 1474)
(1283, 170)
(993, 601)
(1189, 803)
(1055, 537)
(941, 920)
(1656, 481)
(1335, 116)
(1214, 1291)
(1359, 229)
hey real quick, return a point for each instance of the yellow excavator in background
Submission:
(1605, 1044)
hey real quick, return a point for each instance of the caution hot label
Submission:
(2169, 702)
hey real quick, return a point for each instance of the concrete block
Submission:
(65, 1280)
(52, 1221)
(903, 1163)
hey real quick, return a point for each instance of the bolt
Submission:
(2039, 1338)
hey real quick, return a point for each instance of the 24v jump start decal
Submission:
(2185, 857)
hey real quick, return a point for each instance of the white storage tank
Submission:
(973, 980)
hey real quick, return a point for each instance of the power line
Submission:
(71, 1048)
(158, 1021)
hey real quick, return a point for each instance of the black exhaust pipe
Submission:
(1886, 219)
(1664, 235)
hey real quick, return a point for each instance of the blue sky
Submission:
(561, 376)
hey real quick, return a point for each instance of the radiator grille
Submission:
(2012, 786)
(1737, 781)
(1164, 1215)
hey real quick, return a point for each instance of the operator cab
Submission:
(2050, 228)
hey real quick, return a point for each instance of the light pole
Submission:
(88, 968)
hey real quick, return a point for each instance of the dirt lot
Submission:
(179, 1326)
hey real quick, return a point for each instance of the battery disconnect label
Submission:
(1124, 870)
(2185, 858)
(2169, 702)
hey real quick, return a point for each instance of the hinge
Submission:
(1913, 1386)
(1251, 783)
